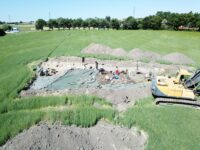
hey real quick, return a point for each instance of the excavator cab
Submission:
(182, 76)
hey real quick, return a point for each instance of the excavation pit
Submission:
(116, 81)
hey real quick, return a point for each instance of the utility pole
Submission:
(9, 19)
(134, 8)
(49, 15)
(133, 11)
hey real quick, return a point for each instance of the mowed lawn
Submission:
(178, 127)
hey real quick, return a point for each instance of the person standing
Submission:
(96, 65)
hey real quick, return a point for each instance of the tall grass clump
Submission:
(13, 123)
(83, 116)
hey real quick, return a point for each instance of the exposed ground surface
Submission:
(68, 75)
(102, 136)
(138, 54)
(178, 58)
(168, 127)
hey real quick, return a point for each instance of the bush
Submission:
(2, 32)
(6, 27)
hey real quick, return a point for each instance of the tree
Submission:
(85, 24)
(2, 32)
(115, 24)
(162, 20)
(173, 21)
(130, 23)
(108, 18)
(164, 25)
(103, 23)
(52, 23)
(152, 22)
(40, 23)
(78, 23)
(140, 26)
(1, 22)
(69, 23)
(61, 23)
(163, 15)
(87, 21)
(198, 25)
(93, 23)
(7, 27)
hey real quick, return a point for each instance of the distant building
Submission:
(13, 30)
(188, 28)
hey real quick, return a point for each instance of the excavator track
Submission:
(177, 101)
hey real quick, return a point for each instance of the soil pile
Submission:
(103, 136)
(138, 54)
(119, 52)
(97, 49)
(178, 58)
(104, 50)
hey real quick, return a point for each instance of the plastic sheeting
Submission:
(74, 79)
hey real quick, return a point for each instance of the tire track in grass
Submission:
(58, 45)
(25, 77)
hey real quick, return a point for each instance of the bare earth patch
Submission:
(138, 54)
(103, 136)
(68, 75)
(178, 58)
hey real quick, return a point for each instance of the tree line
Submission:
(159, 21)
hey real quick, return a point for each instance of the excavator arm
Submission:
(193, 81)
(197, 90)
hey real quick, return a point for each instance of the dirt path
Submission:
(103, 136)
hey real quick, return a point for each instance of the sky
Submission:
(31, 10)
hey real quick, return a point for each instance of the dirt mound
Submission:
(123, 98)
(119, 52)
(103, 136)
(138, 54)
(178, 58)
(104, 50)
(97, 49)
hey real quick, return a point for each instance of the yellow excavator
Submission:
(182, 89)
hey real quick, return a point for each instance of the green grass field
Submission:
(168, 127)
(23, 27)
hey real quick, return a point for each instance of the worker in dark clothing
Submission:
(96, 65)
(83, 59)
